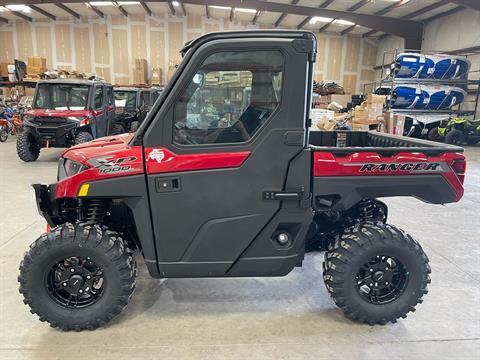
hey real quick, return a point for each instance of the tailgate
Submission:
(343, 178)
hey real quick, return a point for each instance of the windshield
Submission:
(61, 97)
(125, 100)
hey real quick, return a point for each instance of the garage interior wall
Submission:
(109, 46)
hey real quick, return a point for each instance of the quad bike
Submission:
(456, 131)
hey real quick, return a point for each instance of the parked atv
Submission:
(64, 113)
(456, 131)
(131, 107)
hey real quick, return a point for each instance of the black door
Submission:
(101, 118)
(227, 132)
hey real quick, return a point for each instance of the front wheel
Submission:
(78, 276)
(433, 135)
(376, 273)
(3, 135)
(455, 137)
(83, 137)
(28, 147)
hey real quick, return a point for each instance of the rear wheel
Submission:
(433, 135)
(28, 147)
(134, 126)
(78, 276)
(376, 273)
(455, 137)
(83, 137)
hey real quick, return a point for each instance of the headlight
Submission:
(68, 168)
(76, 118)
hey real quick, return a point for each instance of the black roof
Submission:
(275, 33)
(73, 81)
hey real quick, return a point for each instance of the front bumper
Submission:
(46, 204)
(56, 133)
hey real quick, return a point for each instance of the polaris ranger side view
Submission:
(65, 112)
(223, 179)
(131, 107)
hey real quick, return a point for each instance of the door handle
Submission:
(167, 184)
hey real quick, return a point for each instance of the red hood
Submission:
(57, 113)
(103, 147)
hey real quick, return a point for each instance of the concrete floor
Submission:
(259, 318)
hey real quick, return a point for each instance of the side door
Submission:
(226, 134)
(99, 107)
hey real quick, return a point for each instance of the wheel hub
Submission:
(75, 282)
(381, 280)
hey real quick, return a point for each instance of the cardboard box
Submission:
(37, 61)
(341, 99)
(394, 123)
(140, 71)
(156, 77)
(4, 69)
(373, 98)
(360, 127)
(35, 70)
(323, 119)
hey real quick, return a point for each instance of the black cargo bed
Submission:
(346, 142)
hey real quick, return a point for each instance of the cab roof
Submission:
(247, 34)
(73, 81)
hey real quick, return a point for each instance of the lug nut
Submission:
(386, 282)
(80, 291)
(64, 284)
(88, 277)
(72, 270)
(371, 270)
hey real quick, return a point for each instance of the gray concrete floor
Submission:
(259, 318)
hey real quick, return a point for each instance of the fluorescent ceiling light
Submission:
(344, 22)
(316, 19)
(22, 8)
(250, 11)
(129, 2)
(101, 3)
(220, 7)
(175, 3)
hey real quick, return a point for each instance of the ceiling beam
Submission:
(95, 10)
(358, 5)
(347, 30)
(255, 18)
(425, 9)
(183, 9)
(308, 18)
(326, 26)
(391, 7)
(19, 14)
(232, 14)
(68, 10)
(43, 12)
(471, 4)
(171, 7)
(284, 15)
(146, 8)
(120, 8)
(400, 27)
(446, 13)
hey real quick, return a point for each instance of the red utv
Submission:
(64, 113)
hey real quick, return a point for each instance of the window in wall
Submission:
(229, 99)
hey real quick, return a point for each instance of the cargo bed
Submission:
(346, 142)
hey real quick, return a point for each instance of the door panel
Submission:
(218, 210)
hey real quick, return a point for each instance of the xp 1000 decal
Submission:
(112, 166)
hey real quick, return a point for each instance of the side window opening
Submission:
(98, 97)
(229, 99)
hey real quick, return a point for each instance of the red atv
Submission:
(64, 113)
(224, 179)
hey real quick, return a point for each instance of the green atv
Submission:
(456, 131)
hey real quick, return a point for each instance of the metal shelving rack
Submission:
(472, 87)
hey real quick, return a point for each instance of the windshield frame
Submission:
(87, 101)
